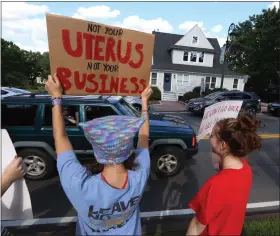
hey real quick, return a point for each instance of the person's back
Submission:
(220, 205)
(232, 189)
(106, 203)
(102, 207)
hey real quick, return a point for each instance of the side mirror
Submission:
(220, 99)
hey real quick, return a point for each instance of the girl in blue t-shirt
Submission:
(107, 203)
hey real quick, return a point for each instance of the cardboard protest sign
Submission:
(216, 112)
(15, 203)
(92, 58)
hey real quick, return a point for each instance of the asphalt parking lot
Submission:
(48, 199)
(167, 197)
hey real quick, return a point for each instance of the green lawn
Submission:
(266, 227)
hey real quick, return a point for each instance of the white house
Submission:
(39, 80)
(181, 61)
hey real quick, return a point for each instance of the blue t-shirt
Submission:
(102, 209)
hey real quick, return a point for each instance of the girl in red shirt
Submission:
(220, 205)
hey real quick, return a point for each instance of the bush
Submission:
(190, 95)
(196, 93)
(156, 94)
(196, 89)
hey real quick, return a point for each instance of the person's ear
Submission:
(223, 146)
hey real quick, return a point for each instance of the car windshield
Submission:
(212, 95)
(131, 110)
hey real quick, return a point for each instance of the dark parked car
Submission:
(136, 102)
(251, 102)
(28, 119)
(274, 108)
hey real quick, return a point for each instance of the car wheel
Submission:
(40, 166)
(168, 160)
(137, 107)
(252, 111)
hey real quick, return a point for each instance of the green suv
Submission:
(28, 119)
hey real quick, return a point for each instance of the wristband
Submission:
(56, 101)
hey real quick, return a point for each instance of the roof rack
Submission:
(33, 95)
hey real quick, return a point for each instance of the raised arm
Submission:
(144, 132)
(62, 142)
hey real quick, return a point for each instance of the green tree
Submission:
(255, 49)
(45, 65)
(32, 65)
(12, 65)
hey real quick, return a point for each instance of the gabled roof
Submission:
(162, 56)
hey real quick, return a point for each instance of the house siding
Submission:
(177, 58)
(194, 81)
(186, 40)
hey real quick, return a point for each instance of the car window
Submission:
(18, 115)
(131, 110)
(246, 96)
(3, 92)
(70, 114)
(213, 95)
(95, 111)
(233, 96)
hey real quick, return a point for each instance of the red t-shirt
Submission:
(221, 202)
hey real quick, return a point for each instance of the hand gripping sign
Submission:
(92, 58)
(15, 203)
(216, 112)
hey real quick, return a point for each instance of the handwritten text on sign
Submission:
(216, 112)
(91, 58)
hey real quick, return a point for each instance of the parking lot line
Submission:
(264, 136)
(65, 220)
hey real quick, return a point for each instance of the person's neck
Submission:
(114, 169)
(232, 162)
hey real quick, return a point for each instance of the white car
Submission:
(7, 92)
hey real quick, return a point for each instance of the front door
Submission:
(167, 82)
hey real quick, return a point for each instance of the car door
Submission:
(72, 117)
(249, 101)
(90, 112)
(20, 120)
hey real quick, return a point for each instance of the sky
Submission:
(24, 22)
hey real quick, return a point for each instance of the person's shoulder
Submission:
(142, 152)
(218, 180)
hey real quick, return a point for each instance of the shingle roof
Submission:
(162, 56)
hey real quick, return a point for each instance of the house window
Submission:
(235, 83)
(213, 82)
(210, 82)
(154, 79)
(200, 56)
(193, 56)
(186, 80)
(194, 40)
(186, 56)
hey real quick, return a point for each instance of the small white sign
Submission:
(15, 203)
(216, 112)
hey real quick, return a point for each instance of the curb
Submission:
(173, 225)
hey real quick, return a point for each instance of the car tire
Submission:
(162, 157)
(43, 165)
(137, 107)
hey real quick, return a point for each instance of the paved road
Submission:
(48, 199)
(269, 123)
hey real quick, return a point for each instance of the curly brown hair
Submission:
(239, 134)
